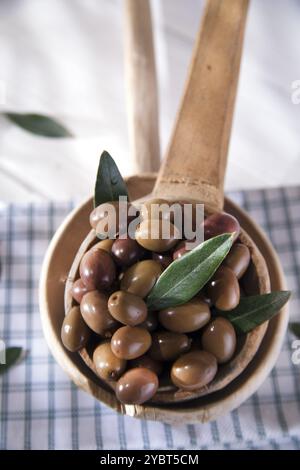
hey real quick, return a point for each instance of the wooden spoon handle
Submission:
(195, 163)
(142, 100)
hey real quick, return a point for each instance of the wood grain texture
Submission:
(142, 94)
(196, 159)
(256, 282)
(54, 274)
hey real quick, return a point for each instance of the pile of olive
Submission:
(136, 346)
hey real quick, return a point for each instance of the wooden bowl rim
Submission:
(225, 375)
(200, 411)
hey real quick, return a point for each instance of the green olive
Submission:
(156, 209)
(141, 277)
(74, 332)
(105, 245)
(157, 235)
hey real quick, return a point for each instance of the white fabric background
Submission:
(64, 57)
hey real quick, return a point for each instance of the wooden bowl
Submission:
(231, 388)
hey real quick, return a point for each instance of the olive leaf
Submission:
(39, 124)
(109, 183)
(12, 354)
(254, 310)
(187, 275)
(295, 329)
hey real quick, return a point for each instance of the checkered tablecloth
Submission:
(41, 409)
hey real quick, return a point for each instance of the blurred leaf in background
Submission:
(39, 124)
(13, 355)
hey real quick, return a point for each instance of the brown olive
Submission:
(105, 218)
(108, 366)
(137, 386)
(105, 245)
(97, 269)
(219, 339)
(151, 322)
(238, 259)
(78, 290)
(157, 235)
(127, 251)
(156, 209)
(219, 223)
(147, 362)
(194, 370)
(164, 259)
(223, 289)
(95, 313)
(127, 308)
(185, 318)
(74, 332)
(167, 346)
(130, 342)
(141, 277)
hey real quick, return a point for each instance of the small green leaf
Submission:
(255, 310)
(295, 328)
(187, 275)
(12, 356)
(109, 183)
(39, 124)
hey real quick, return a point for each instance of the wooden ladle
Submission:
(63, 250)
(195, 164)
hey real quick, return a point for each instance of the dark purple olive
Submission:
(220, 223)
(151, 322)
(147, 362)
(97, 270)
(78, 290)
(127, 251)
(167, 346)
(162, 258)
(109, 219)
